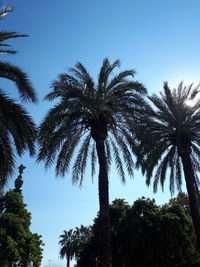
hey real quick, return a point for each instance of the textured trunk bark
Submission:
(105, 230)
(192, 193)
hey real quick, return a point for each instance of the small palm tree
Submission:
(18, 131)
(67, 246)
(98, 117)
(81, 237)
(170, 139)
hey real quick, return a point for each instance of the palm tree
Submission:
(67, 246)
(170, 139)
(99, 118)
(18, 131)
(81, 237)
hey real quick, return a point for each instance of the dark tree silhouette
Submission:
(171, 140)
(18, 131)
(98, 117)
(68, 246)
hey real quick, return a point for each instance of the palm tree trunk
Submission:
(192, 194)
(68, 261)
(105, 230)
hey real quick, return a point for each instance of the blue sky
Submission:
(159, 39)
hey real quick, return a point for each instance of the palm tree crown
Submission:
(170, 139)
(87, 112)
(171, 128)
(68, 246)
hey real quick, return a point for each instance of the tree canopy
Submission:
(18, 244)
(146, 234)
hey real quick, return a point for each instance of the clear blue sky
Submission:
(159, 39)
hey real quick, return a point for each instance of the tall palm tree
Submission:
(170, 139)
(97, 119)
(67, 246)
(18, 131)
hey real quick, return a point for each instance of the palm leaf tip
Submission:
(5, 10)
(24, 86)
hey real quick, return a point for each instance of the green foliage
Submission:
(7, 35)
(67, 244)
(18, 131)
(72, 242)
(182, 200)
(92, 119)
(146, 234)
(156, 236)
(169, 143)
(87, 111)
(167, 131)
(18, 244)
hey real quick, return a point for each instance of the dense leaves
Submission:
(146, 234)
(169, 143)
(72, 242)
(18, 131)
(18, 244)
(85, 111)
(169, 130)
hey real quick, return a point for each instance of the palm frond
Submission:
(19, 124)
(108, 154)
(125, 153)
(93, 160)
(18, 134)
(7, 35)
(18, 131)
(118, 162)
(105, 72)
(80, 162)
(5, 10)
(7, 157)
(65, 155)
(178, 172)
(21, 80)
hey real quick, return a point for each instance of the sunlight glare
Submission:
(193, 102)
(190, 103)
